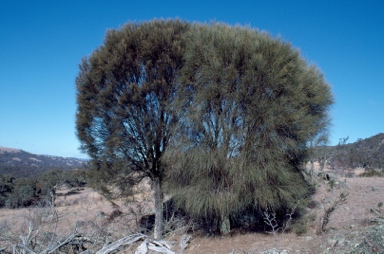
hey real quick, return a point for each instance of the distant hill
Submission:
(366, 153)
(19, 163)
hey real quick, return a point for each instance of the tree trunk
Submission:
(158, 194)
(225, 225)
(312, 170)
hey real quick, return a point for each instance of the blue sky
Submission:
(43, 42)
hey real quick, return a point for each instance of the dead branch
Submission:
(60, 244)
(161, 243)
(50, 249)
(270, 220)
(108, 248)
(327, 214)
(159, 246)
(160, 249)
(22, 247)
(184, 241)
(143, 248)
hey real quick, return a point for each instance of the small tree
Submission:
(23, 194)
(316, 147)
(250, 104)
(124, 118)
(342, 159)
(7, 186)
(50, 180)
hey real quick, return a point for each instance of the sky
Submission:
(42, 43)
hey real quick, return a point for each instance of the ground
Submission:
(349, 224)
(353, 216)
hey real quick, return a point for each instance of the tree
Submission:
(24, 193)
(316, 150)
(124, 118)
(250, 105)
(342, 159)
(7, 186)
(50, 180)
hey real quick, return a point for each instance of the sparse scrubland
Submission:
(328, 223)
(27, 191)
(204, 138)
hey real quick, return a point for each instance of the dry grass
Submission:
(91, 213)
(98, 217)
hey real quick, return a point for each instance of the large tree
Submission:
(250, 105)
(124, 92)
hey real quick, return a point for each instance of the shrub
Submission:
(372, 173)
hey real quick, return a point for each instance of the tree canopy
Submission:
(124, 118)
(219, 115)
(251, 104)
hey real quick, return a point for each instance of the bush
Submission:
(372, 173)
(23, 193)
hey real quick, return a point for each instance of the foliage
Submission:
(25, 191)
(235, 106)
(6, 188)
(55, 178)
(124, 118)
(372, 173)
(250, 104)
(366, 153)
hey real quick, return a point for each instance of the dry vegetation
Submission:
(331, 224)
(82, 209)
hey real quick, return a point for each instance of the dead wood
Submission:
(159, 246)
(143, 248)
(50, 249)
(108, 248)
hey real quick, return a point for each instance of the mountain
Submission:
(19, 163)
(366, 153)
